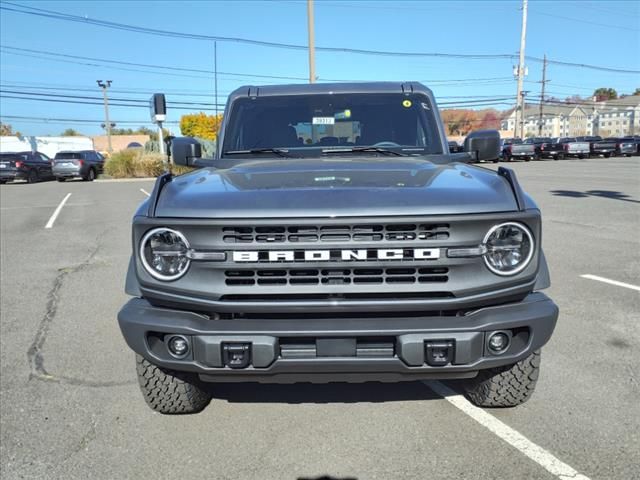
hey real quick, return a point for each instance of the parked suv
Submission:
(335, 238)
(85, 164)
(29, 166)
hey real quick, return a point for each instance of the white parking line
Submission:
(145, 192)
(535, 452)
(56, 212)
(611, 282)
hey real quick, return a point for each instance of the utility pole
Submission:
(215, 75)
(104, 85)
(312, 46)
(521, 68)
(544, 81)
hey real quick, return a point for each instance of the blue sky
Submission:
(603, 33)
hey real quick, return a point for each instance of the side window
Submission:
(44, 158)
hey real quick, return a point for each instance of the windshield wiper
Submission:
(278, 151)
(382, 150)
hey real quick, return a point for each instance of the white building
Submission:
(613, 118)
(47, 145)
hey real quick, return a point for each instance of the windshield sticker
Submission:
(323, 121)
(343, 115)
(406, 103)
(425, 106)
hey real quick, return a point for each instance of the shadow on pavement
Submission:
(327, 477)
(371, 392)
(595, 193)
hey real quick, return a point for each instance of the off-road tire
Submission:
(170, 392)
(507, 386)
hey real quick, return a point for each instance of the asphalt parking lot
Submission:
(70, 405)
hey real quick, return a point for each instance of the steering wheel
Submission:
(385, 144)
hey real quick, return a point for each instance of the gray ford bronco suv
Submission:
(334, 238)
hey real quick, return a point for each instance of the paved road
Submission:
(70, 406)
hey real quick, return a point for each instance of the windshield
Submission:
(60, 155)
(307, 125)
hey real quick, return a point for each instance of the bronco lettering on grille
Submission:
(336, 255)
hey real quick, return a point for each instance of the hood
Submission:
(336, 187)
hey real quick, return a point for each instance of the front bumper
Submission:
(339, 349)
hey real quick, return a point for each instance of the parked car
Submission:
(430, 268)
(530, 149)
(606, 147)
(592, 139)
(505, 147)
(635, 140)
(29, 166)
(85, 164)
(625, 147)
(454, 147)
(561, 147)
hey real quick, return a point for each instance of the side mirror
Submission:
(483, 144)
(185, 151)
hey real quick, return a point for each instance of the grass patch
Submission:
(136, 163)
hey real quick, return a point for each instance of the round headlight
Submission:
(509, 248)
(163, 253)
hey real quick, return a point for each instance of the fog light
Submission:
(178, 346)
(498, 342)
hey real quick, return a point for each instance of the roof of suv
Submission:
(329, 88)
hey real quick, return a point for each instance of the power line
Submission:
(163, 67)
(85, 100)
(79, 102)
(167, 33)
(560, 17)
(24, 9)
(39, 53)
(83, 97)
(77, 120)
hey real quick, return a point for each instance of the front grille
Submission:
(336, 233)
(335, 276)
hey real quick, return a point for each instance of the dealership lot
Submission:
(70, 405)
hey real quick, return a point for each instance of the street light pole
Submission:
(312, 46)
(104, 85)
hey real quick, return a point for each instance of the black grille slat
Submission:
(400, 232)
(335, 276)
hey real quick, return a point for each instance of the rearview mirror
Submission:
(185, 151)
(483, 144)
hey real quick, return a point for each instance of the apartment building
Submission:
(613, 118)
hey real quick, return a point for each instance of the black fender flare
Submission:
(543, 280)
(131, 285)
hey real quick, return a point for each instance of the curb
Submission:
(108, 180)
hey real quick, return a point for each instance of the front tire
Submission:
(91, 175)
(506, 386)
(61, 179)
(170, 392)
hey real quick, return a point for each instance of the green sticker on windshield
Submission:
(406, 103)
